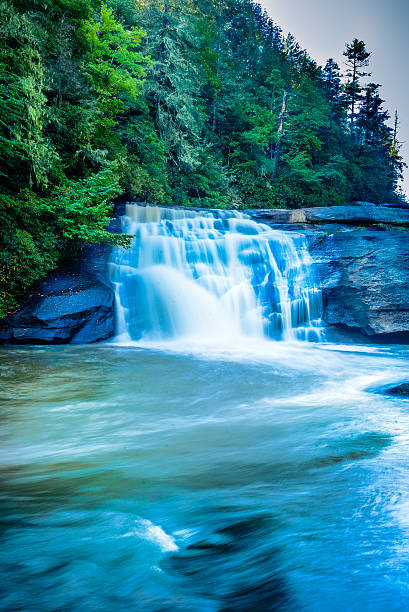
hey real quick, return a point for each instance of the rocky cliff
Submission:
(67, 308)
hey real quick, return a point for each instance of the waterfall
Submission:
(214, 276)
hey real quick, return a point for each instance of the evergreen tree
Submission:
(357, 58)
(332, 78)
(379, 145)
(396, 160)
(371, 121)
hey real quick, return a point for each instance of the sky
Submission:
(323, 27)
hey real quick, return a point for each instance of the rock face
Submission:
(364, 271)
(365, 278)
(346, 215)
(75, 305)
(68, 308)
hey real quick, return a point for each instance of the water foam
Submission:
(146, 530)
(214, 277)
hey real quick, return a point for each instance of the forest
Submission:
(184, 102)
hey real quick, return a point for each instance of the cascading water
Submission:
(213, 276)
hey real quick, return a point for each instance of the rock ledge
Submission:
(67, 308)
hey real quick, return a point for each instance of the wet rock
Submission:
(70, 307)
(73, 305)
(401, 390)
(404, 205)
(362, 204)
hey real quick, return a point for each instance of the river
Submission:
(137, 479)
(205, 462)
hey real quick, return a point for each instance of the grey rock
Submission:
(362, 204)
(343, 215)
(70, 307)
(404, 205)
(364, 271)
(365, 281)
(74, 305)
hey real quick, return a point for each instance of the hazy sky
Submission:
(324, 26)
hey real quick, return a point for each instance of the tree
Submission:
(371, 120)
(115, 65)
(173, 84)
(333, 86)
(396, 160)
(357, 58)
(25, 151)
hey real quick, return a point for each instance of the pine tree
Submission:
(396, 161)
(174, 80)
(371, 120)
(26, 153)
(332, 81)
(357, 58)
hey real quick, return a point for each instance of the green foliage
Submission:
(26, 154)
(66, 74)
(114, 63)
(37, 230)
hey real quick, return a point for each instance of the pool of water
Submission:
(143, 478)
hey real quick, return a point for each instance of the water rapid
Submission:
(212, 276)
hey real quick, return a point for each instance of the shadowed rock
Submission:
(217, 567)
(67, 308)
(401, 390)
(365, 281)
(73, 305)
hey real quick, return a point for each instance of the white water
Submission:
(212, 277)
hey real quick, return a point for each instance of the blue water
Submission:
(268, 477)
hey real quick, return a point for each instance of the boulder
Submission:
(69, 307)
(401, 390)
(73, 305)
